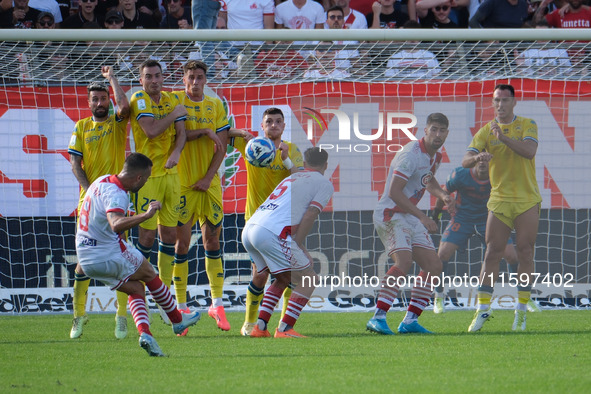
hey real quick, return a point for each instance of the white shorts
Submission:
(269, 251)
(403, 232)
(117, 270)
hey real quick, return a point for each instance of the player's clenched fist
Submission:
(284, 150)
(496, 129)
(154, 207)
(483, 156)
(180, 110)
(107, 72)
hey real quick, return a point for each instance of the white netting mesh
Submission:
(42, 94)
(71, 63)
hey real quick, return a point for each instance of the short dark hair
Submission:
(194, 65)
(438, 117)
(315, 157)
(503, 86)
(335, 8)
(273, 111)
(149, 63)
(136, 162)
(97, 87)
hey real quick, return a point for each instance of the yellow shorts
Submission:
(167, 190)
(202, 206)
(507, 212)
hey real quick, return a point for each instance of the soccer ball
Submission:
(260, 152)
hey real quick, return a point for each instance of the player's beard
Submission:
(100, 112)
(436, 145)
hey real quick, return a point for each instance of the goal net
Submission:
(360, 99)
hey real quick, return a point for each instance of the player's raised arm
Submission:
(121, 100)
(287, 162)
(153, 127)
(526, 147)
(233, 133)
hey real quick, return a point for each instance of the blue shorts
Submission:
(458, 232)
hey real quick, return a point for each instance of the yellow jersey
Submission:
(101, 145)
(197, 155)
(512, 177)
(261, 181)
(157, 149)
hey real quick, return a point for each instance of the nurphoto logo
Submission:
(349, 130)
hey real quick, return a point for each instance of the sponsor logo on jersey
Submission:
(425, 179)
(86, 241)
(269, 207)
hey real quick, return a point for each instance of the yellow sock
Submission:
(286, 295)
(484, 297)
(180, 275)
(215, 272)
(165, 262)
(254, 295)
(81, 284)
(121, 303)
(523, 296)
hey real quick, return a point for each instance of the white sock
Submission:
(410, 317)
(217, 302)
(282, 327)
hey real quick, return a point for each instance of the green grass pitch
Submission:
(552, 356)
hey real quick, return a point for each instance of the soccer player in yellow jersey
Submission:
(97, 147)
(158, 126)
(509, 143)
(260, 183)
(201, 188)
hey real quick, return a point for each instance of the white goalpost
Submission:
(358, 94)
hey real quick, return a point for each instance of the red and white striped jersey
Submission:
(287, 204)
(413, 164)
(95, 240)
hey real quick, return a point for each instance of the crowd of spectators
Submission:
(297, 14)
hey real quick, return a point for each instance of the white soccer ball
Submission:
(260, 152)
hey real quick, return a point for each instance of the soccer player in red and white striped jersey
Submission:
(275, 236)
(404, 229)
(105, 255)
